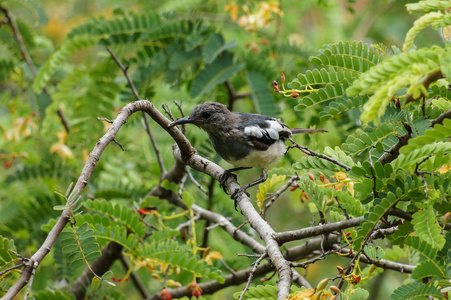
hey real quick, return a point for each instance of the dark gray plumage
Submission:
(242, 139)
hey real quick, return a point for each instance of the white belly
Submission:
(262, 159)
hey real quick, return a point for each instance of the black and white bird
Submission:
(245, 140)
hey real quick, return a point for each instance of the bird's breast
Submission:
(242, 154)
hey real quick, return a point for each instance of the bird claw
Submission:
(237, 194)
(223, 180)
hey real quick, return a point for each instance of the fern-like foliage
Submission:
(7, 253)
(80, 245)
(366, 138)
(56, 294)
(416, 290)
(410, 158)
(436, 134)
(383, 81)
(266, 292)
(371, 219)
(426, 226)
(59, 57)
(147, 29)
(159, 252)
(120, 213)
(327, 167)
(343, 63)
(35, 7)
(426, 5)
(348, 56)
(433, 19)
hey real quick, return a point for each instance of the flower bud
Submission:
(165, 295)
(294, 95)
(446, 218)
(322, 284)
(311, 176)
(335, 289)
(282, 77)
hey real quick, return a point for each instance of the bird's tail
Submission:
(306, 130)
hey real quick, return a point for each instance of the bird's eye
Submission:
(206, 114)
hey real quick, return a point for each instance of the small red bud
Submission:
(311, 176)
(293, 188)
(197, 292)
(254, 48)
(165, 295)
(7, 164)
(275, 83)
(282, 77)
(142, 212)
(348, 233)
(294, 95)
(183, 237)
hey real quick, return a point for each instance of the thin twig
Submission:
(168, 111)
(23, 49)
(145, 120)
(12, 268)
(135, 278)
(119, 144)
(232, 271)
(307, 151)
(234, 95)
(30, 282)
(311, 261)
(270, 200)
(182, 183)
(179, 106)
(105, 119)
(251, 274)
(196, 183)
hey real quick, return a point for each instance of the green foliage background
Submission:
(185, 51)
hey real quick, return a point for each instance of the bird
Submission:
(245, 140)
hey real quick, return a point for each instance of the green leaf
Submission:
(426, 225)
(188, 198)
(219, 71)
(95, 283)
(60, 207)
(261, 94)
(215, 46)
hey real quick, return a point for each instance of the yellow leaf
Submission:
(264, 187)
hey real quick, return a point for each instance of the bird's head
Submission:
(209, 116)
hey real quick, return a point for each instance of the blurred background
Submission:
(263, 39)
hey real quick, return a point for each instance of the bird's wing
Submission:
(264, 133)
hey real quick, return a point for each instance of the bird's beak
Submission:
(185, 120)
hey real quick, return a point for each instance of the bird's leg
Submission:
(243, 189)
(226, 175)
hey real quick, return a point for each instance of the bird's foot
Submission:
(223, 179)
(237, 194)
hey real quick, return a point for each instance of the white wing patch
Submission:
(273, 130)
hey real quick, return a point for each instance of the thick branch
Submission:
(266, 233)
(318, 230)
